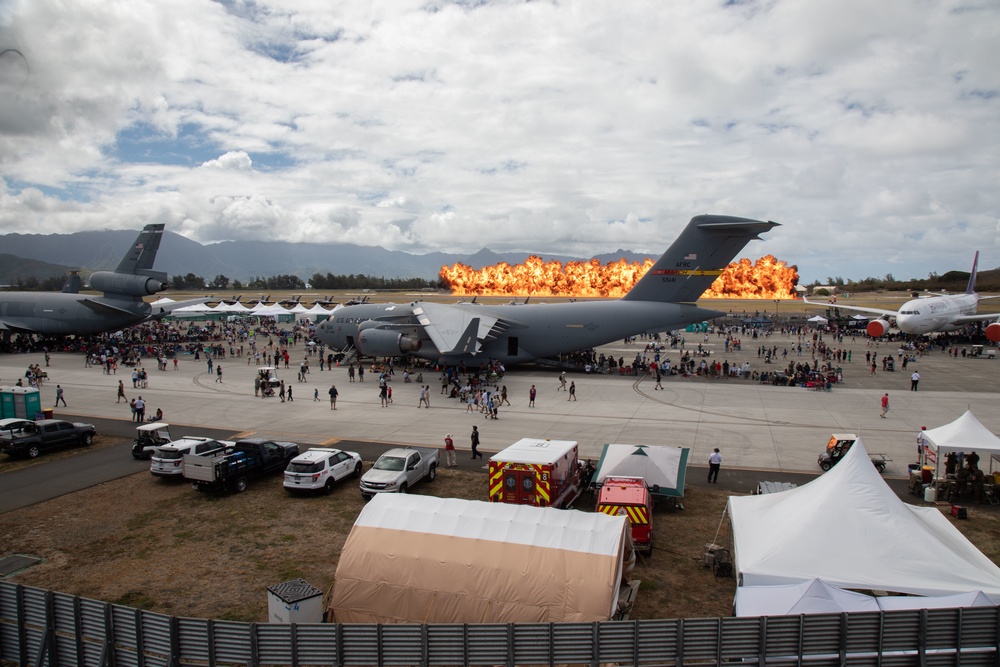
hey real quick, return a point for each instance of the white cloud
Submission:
(869, 129)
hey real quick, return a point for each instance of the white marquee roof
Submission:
(850, 529)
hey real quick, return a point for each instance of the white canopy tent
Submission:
(818, 597)
(663, 468)
(965, 434)
(849, 528)
(818, 319)
(814, 596)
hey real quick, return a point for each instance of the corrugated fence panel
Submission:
(487, 644)
(316, 645)
(360, 644)
(234, 642)
(658, 642)
(85, 629)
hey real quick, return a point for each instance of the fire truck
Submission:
(629, 497)
(536, 471)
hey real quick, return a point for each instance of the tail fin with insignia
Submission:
(692, 263)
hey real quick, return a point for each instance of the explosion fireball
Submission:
(767, 278)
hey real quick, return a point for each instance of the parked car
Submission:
(169, 461)
(397, 470)
(34, 437)
(319, 469)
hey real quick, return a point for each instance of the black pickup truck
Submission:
(32, 438)
(233, 470)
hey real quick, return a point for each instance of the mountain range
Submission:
(244, 260)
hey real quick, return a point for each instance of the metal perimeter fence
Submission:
(39, 627)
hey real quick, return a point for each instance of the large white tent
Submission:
(848, 528)
(663, 468)
(818, 597)
(965, 434)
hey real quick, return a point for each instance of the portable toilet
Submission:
(27, 402)
(6, 403)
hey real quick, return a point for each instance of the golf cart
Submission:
(840, 444)
(150, 437)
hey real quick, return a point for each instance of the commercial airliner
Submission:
(941, 312)
(121, 305)
(663, 299)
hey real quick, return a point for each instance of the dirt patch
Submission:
(162, 546)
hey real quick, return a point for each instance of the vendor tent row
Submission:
(259, 310)
(849, 529)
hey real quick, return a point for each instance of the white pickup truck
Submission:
(399, 469)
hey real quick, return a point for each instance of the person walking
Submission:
(714, 464)
(121, 392)
(658, 379)
(503, 395)
(531, 396)
(60, 396)
(562, 381)
(290, 399)
(315, 394)
(218, 373)
(914, 381)
(449, 451)
(383, 394)
(424, 400)
(350, 373)
(474, 439)
(333, 396)
(572, 391)
(140, 409)
(885, 405)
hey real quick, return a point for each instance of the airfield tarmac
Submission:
(756, 426)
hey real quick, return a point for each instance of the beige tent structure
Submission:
(421, 559)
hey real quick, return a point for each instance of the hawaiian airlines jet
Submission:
(942, 312)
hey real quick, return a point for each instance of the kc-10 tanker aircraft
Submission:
(121, 305)
(663, 299)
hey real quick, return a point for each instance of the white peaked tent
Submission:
(965, 434)
(809, 597)
(663, 467)
(848, 528)
(818, 597)
(818, 319)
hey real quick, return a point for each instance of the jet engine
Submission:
(993, 332)
(125, 284)
(386, 343)
(877, 328)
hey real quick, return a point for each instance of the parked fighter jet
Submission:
(663, 299)
(69, 312)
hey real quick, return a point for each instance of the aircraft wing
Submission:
(454, 329)
(16, 328)
(978, 317)
(102, 307)
(858, 309)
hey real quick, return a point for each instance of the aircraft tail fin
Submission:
(692, 263)
(139, 259)
(971, 287)
(73, 283)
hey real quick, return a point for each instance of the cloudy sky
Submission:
(868, 129)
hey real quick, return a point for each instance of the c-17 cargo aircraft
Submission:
(663, 299)
(71, 313)
(940, 312)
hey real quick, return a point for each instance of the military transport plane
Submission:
(663, 299)
(940, 312)
(69, 312)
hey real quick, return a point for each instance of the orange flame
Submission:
(767, 278)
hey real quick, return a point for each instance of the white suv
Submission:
(169, 461)
(318, 469)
